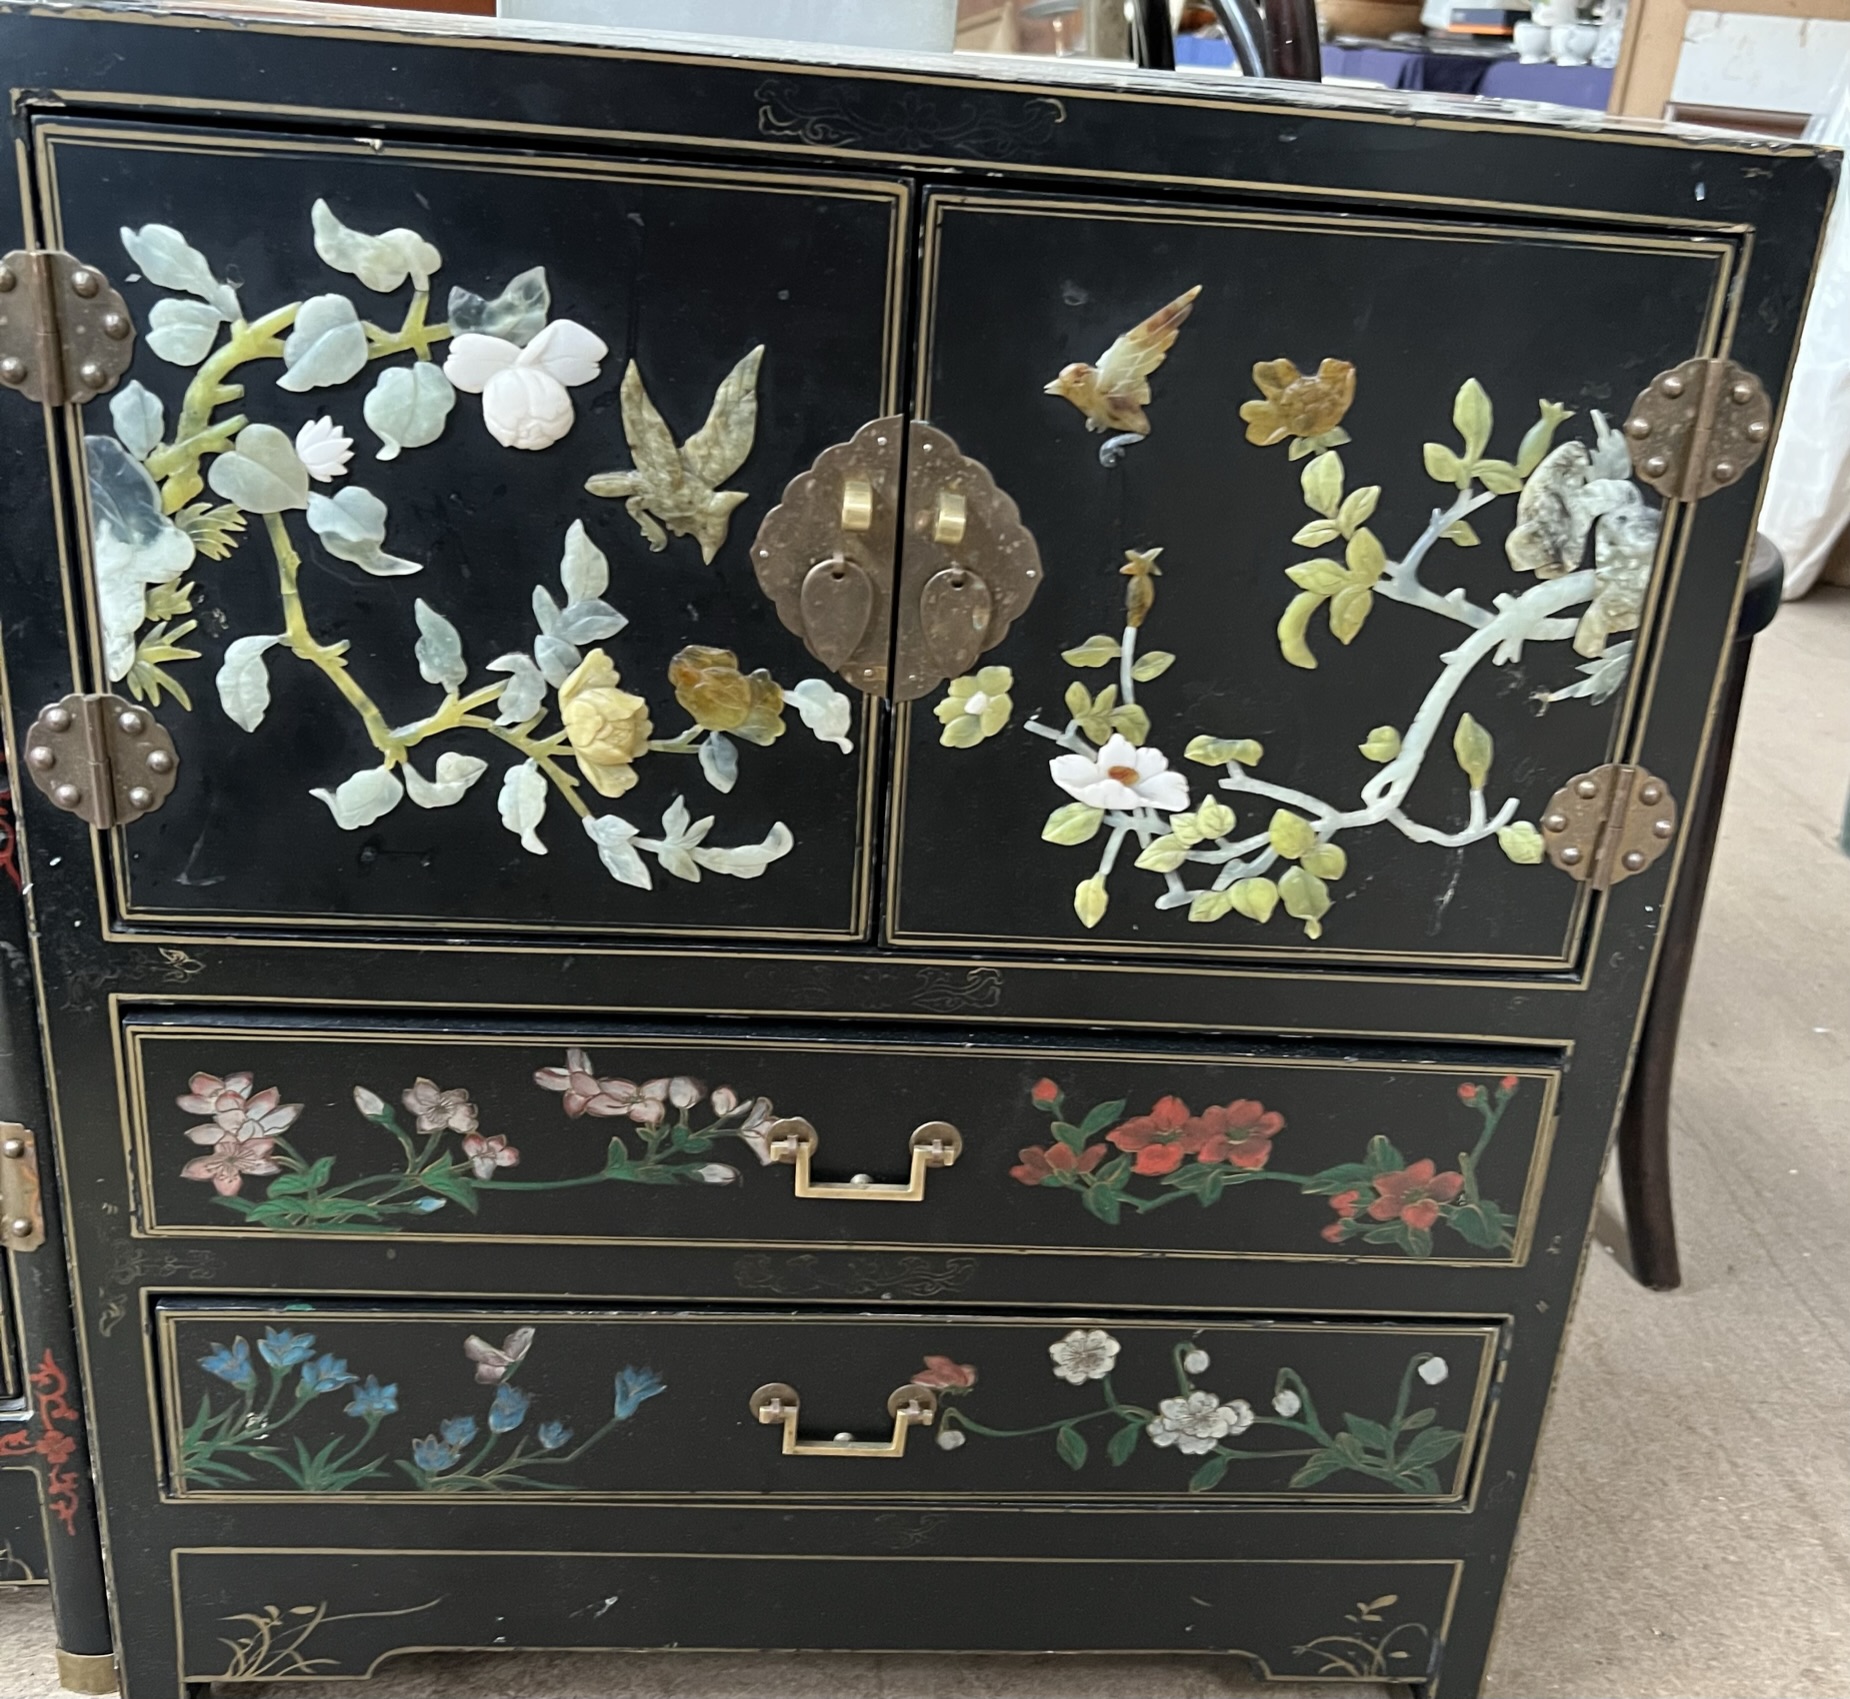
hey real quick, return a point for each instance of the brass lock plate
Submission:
(1698, 428)
(101, 758)
(65, 334)
(1604, 826)
(22, 1211)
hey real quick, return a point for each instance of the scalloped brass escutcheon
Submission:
(968, 567)
(937, 1144)
(824, 554)
(103, 759)
(1603, 826)
(1698, 427)
(777, 1404)
(65, 334)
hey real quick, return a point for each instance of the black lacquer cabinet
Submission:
(836, 855)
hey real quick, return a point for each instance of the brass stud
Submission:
(1725, 472)
(1587, 787)
(59, 718)
(1656, 466)
(1672, 385)
(115, 326)
(42, 757)
(159, 761)
(1650, 794)
(1555, 823)
(67, 796)
(85, 283)
(1633, 860)
(139, 796)
(857, 505)
(14, 1148)
(91, 375)
(12, 370)
(20, 1227)
(1661, 828)
(9, 280)
(1637, 429)
(1570, 857)
(953, 518)
(131, 722)
(1742, 393)
(1757, 431)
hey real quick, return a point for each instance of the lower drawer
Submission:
(256, 1614)
(341, 1401)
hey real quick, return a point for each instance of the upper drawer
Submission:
(330, 1399)
(1187, 1151)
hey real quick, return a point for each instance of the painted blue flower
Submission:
(427, 1206)
(508, 1411)
(233, 1363)
(327, 1373)
(373, 1400)
(283, 1349)
(552, 1435)
(432, 1456)
(633, 1387)
(457, 1431)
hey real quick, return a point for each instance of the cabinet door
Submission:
(1345, 574)
(422, 524)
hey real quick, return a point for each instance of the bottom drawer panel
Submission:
(353, 1402)
(252, 1614)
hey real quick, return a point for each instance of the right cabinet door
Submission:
(1345, 573)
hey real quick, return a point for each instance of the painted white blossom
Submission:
(1122, 776)
(368, 1102)
(1434, 1370)
(949, 1439)
(1195, 1361)
(524, 391)
(717, 1174)
(1199, 1422)
(1087, 1353)
(1287, 1403)
(324, 448)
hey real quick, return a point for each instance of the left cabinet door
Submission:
(422, 522)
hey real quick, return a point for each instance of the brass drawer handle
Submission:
(909, 1406)
(937, 1144)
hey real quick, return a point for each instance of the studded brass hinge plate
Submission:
(22, 1215)
(101, 758)
(1604, 826)
(65, 334)
(1698, 427)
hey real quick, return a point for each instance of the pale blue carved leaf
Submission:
(182, 332)
(556, 658)
(719, 760)
(439, 649)
(615, 840)
(139, 418)
(166, 258)
(516, 315)
(455, 774)
(371, 794)
(381, 262)
(409, 406)
(133, 545)
(750, 860)
(585, 569)
(244, 681)
(327, 346)
(525, 692)
(262, 474)
(351, 526)
(523, 804)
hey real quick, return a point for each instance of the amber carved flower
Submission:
(708, 684)
(608, 728)
(1309, 410)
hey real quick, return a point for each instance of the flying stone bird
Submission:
(676, 487)
(1113, 394)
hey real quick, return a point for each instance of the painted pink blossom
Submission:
(230, 1160)
(237, 1111)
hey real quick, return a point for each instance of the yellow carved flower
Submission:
(1307, 409)
(975, 707)
(708, 684)
(608, 728)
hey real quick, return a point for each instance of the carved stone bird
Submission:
(1113, 394)
(676, 488)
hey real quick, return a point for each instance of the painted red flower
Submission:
(1161, 1138)
(1414, 1194)
(1039, 1162)
(1508, 1083)
(1241, 1133)
(1044, 1091)
(1467, 1093)
(1344, 1203)
(941, 1371)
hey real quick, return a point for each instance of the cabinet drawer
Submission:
(1175, 1150)
(405, 1402)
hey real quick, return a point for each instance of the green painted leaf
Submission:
(1323, 576)
(1291, 835)
(1124, 1442)
(1498, 476)
(1471, 417)
(1292, 626)
(1432, 1446)
(1383, 1156)
(1106, 1203)
(1441, 463)
(1096, 651)
(1383, 744)
(1327, 861)
(1350, 1447)
(1102, 1116)
(1153, 665)
(1214, 818)
(1474, 748)
(1418, 1242)
(1419, 1419)
(1521, 842)
(1210, 905)
(1322, 483)
(1358, 508)
(1257, 899)
(1164, 855)
(1073, 824)
(1071, 1445)
(1371, 1434)
(1349, 610)
(448, 1183)
(1316, 533)
(1320, 1468)
(1343, 1177)
(1477, 1224)
(1208, 1476)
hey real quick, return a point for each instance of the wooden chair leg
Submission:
(1644, 1129)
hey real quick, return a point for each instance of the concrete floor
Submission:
(1688, 1536)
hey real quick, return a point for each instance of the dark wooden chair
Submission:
(1644, 1127)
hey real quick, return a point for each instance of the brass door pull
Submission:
(909, 1406)
(937, 1144)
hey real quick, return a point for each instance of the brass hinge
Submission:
(20, 1208)
(65, 334)
(101, 758)
(1698, 427)
(1604, 826)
